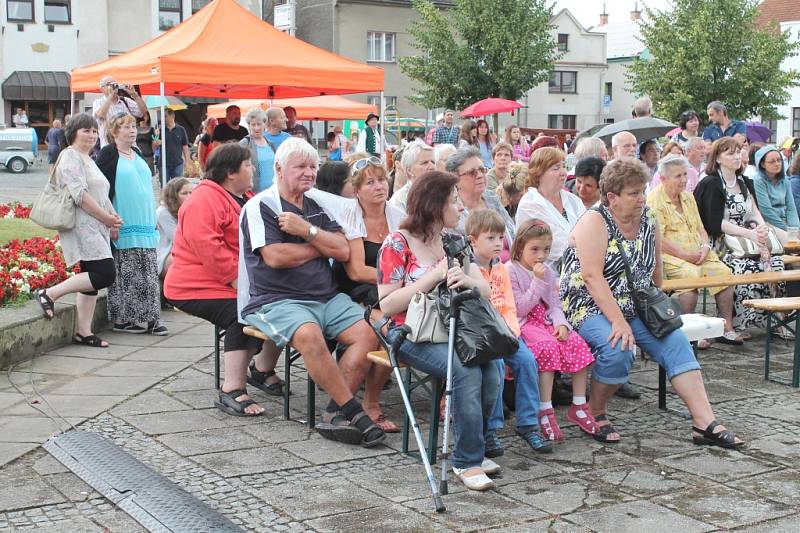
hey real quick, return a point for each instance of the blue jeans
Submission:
(612, 365)
(174, 172)
(474, 395)
(526, 375)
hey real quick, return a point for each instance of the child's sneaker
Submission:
(536, 441)
(582, 416)
(493, 446)
(550, 429)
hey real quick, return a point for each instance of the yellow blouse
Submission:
(682, 229)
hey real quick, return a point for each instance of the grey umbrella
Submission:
(642, 128)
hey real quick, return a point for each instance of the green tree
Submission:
(705, 50)
(479, 49)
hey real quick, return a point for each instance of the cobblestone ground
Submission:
(270, 474)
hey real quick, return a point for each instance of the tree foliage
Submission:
(705, 50)
(479, 49)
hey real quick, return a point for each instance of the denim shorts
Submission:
(612, 365)
(280, 320)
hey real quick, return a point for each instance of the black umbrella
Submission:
(642, 128)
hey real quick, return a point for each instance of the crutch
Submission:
(455, 300)
(391, 351)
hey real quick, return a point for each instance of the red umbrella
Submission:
(490, 106)
(673, 132)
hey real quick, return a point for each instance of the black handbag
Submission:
(481, 332)
(660, 313)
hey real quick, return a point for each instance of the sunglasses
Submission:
(475, 172)
(361, 164)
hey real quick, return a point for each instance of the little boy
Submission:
(486, 230)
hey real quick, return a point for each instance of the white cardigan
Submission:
(534, 205)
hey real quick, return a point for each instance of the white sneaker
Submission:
(489, 467)
(474, 482)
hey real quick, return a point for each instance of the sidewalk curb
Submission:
(24, 331)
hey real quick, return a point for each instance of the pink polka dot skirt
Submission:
(571, 355)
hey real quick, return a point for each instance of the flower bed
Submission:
(28, 266)
(15, 210)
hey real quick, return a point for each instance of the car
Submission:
(17, 149)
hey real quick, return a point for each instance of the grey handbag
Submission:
(54, 209)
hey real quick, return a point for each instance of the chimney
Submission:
(636, 14)
(603, 16)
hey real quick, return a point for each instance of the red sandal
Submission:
(587, 423)
(550, 429)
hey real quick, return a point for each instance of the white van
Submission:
(17, 148)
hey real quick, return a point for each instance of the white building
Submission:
(43, 40)
(623, 45)
(572, 99)
(786, 15)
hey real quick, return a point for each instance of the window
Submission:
(563, 42)
(608, 121)
(20, 10)
(772, 124)
(57, 11)
(564, 82)
(380, 46)
(376, 101)
(197, 5)
(561, 122)
(169, 14)
(796, 122)
(609, 90)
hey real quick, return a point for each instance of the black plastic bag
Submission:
(481, 332)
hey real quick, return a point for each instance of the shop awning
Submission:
(39, 85)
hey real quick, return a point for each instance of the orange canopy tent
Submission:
(312, 108)
(225, 51)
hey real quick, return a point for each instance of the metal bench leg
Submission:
(767, 348)
(433, 435)
(287, 380)
(311, 403)
(662, 388)
(705, 295)
(796, 363)
(217, 337)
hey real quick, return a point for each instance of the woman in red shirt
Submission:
(202, 278)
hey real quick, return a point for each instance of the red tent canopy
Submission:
(225, 51)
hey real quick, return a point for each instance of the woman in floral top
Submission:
(412, 260)
(597, 299)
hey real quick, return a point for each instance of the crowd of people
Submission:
(273, 239)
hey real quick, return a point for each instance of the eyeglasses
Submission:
(474, 172)
(361, 164)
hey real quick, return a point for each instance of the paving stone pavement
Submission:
(152, 396)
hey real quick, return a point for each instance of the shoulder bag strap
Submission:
(622, 254)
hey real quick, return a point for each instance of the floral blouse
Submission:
(398, 264)
(641, 252)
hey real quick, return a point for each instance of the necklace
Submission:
(728, 185)
(127, 154)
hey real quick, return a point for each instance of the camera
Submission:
(121, 89)
(455, 245)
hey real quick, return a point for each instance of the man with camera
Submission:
(117, 98)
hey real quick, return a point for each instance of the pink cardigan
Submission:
(529, 291)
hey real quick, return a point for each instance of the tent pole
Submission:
(383, 130)
(71, 104)
(163, 139)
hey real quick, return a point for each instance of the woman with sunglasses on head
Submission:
(372, 219)
(468, 166)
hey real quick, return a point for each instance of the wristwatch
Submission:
(312, 233)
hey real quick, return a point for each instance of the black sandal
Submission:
(89, 340)
(258, 379)
(605, 431)
(48, 306)
(371, 434)
(724, 439)
(228, 404)
(334, 426)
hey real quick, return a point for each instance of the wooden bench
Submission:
(790, 308)
(791, 259)
(431, 384)
(290, 356)
(670, 285)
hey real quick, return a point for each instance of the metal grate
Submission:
(150, 498)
